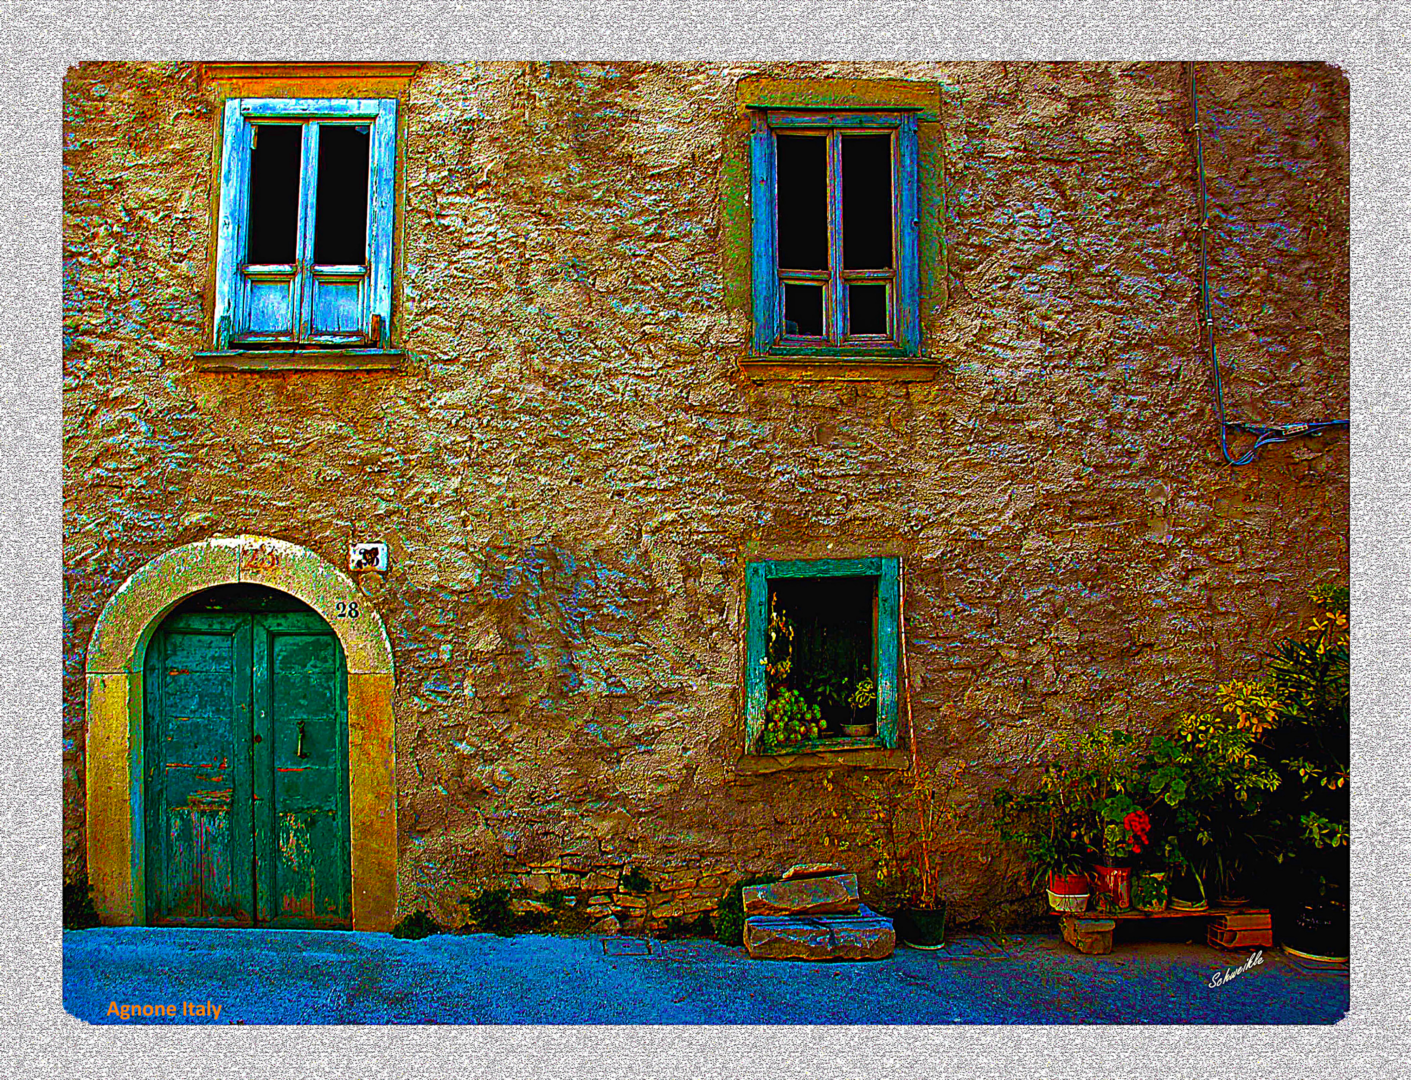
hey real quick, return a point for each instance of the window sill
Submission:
(856, 368)
(864, 755)
(258, 360)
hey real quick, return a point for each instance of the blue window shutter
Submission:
(230, 235)
(888, 609)
(909, 232)
(756, 624)
(764, 272)
(381, 213)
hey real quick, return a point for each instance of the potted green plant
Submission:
(1045, 825)
(1186, 888)
(908, 868)
(864, 694)
(920, 920)
(1306, 816)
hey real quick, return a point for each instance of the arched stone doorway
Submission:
(115, 765)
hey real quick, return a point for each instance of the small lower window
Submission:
(822, 654)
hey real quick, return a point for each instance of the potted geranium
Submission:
(1125, 832)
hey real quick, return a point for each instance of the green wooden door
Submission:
(247, 772)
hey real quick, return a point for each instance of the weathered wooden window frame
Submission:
(885, 638)
(904, 317)
(234, 277)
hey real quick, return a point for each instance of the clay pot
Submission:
(1068, 884)
(1112, 887)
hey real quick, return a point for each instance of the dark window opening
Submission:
(867, 309)
(803, 310)
(867, 202)
(802, 196)
(820, 650)
(340, 209)
(274, 192)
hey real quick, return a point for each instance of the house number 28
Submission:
(347, 609)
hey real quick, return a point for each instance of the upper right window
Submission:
(835, 227)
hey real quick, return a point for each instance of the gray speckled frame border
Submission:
(42, 39)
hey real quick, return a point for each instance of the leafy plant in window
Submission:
(789, 718)
(864, 696)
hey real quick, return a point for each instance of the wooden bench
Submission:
(1227, 928)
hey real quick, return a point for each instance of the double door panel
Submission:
(246, 814)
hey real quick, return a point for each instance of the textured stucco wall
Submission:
(571, 471)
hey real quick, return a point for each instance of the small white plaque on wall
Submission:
(368, 557)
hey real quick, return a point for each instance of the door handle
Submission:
(299, 750)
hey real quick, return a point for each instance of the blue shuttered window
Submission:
(304, 249)
(835, 227)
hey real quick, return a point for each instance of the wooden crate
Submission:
(1252, 919)
(1240, 939)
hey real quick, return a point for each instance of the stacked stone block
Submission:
(813, 913)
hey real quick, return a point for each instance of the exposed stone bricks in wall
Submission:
(572, 472)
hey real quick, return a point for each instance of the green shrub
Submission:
(730, 912)
(634, 881)
(490, 910)
(417, 925)
(699, 927)
(79, 912)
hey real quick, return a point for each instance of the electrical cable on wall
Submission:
(1264, 434)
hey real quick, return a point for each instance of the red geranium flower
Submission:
(1139, 825)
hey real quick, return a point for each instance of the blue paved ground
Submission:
(290, 976)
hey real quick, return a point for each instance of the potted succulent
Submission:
(1149, 893)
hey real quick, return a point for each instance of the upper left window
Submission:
(304, 255)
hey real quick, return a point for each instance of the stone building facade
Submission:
(566, 436)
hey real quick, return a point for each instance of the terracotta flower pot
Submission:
(1068, 884)
(1112, 887)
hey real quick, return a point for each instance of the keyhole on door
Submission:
(299, 750)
